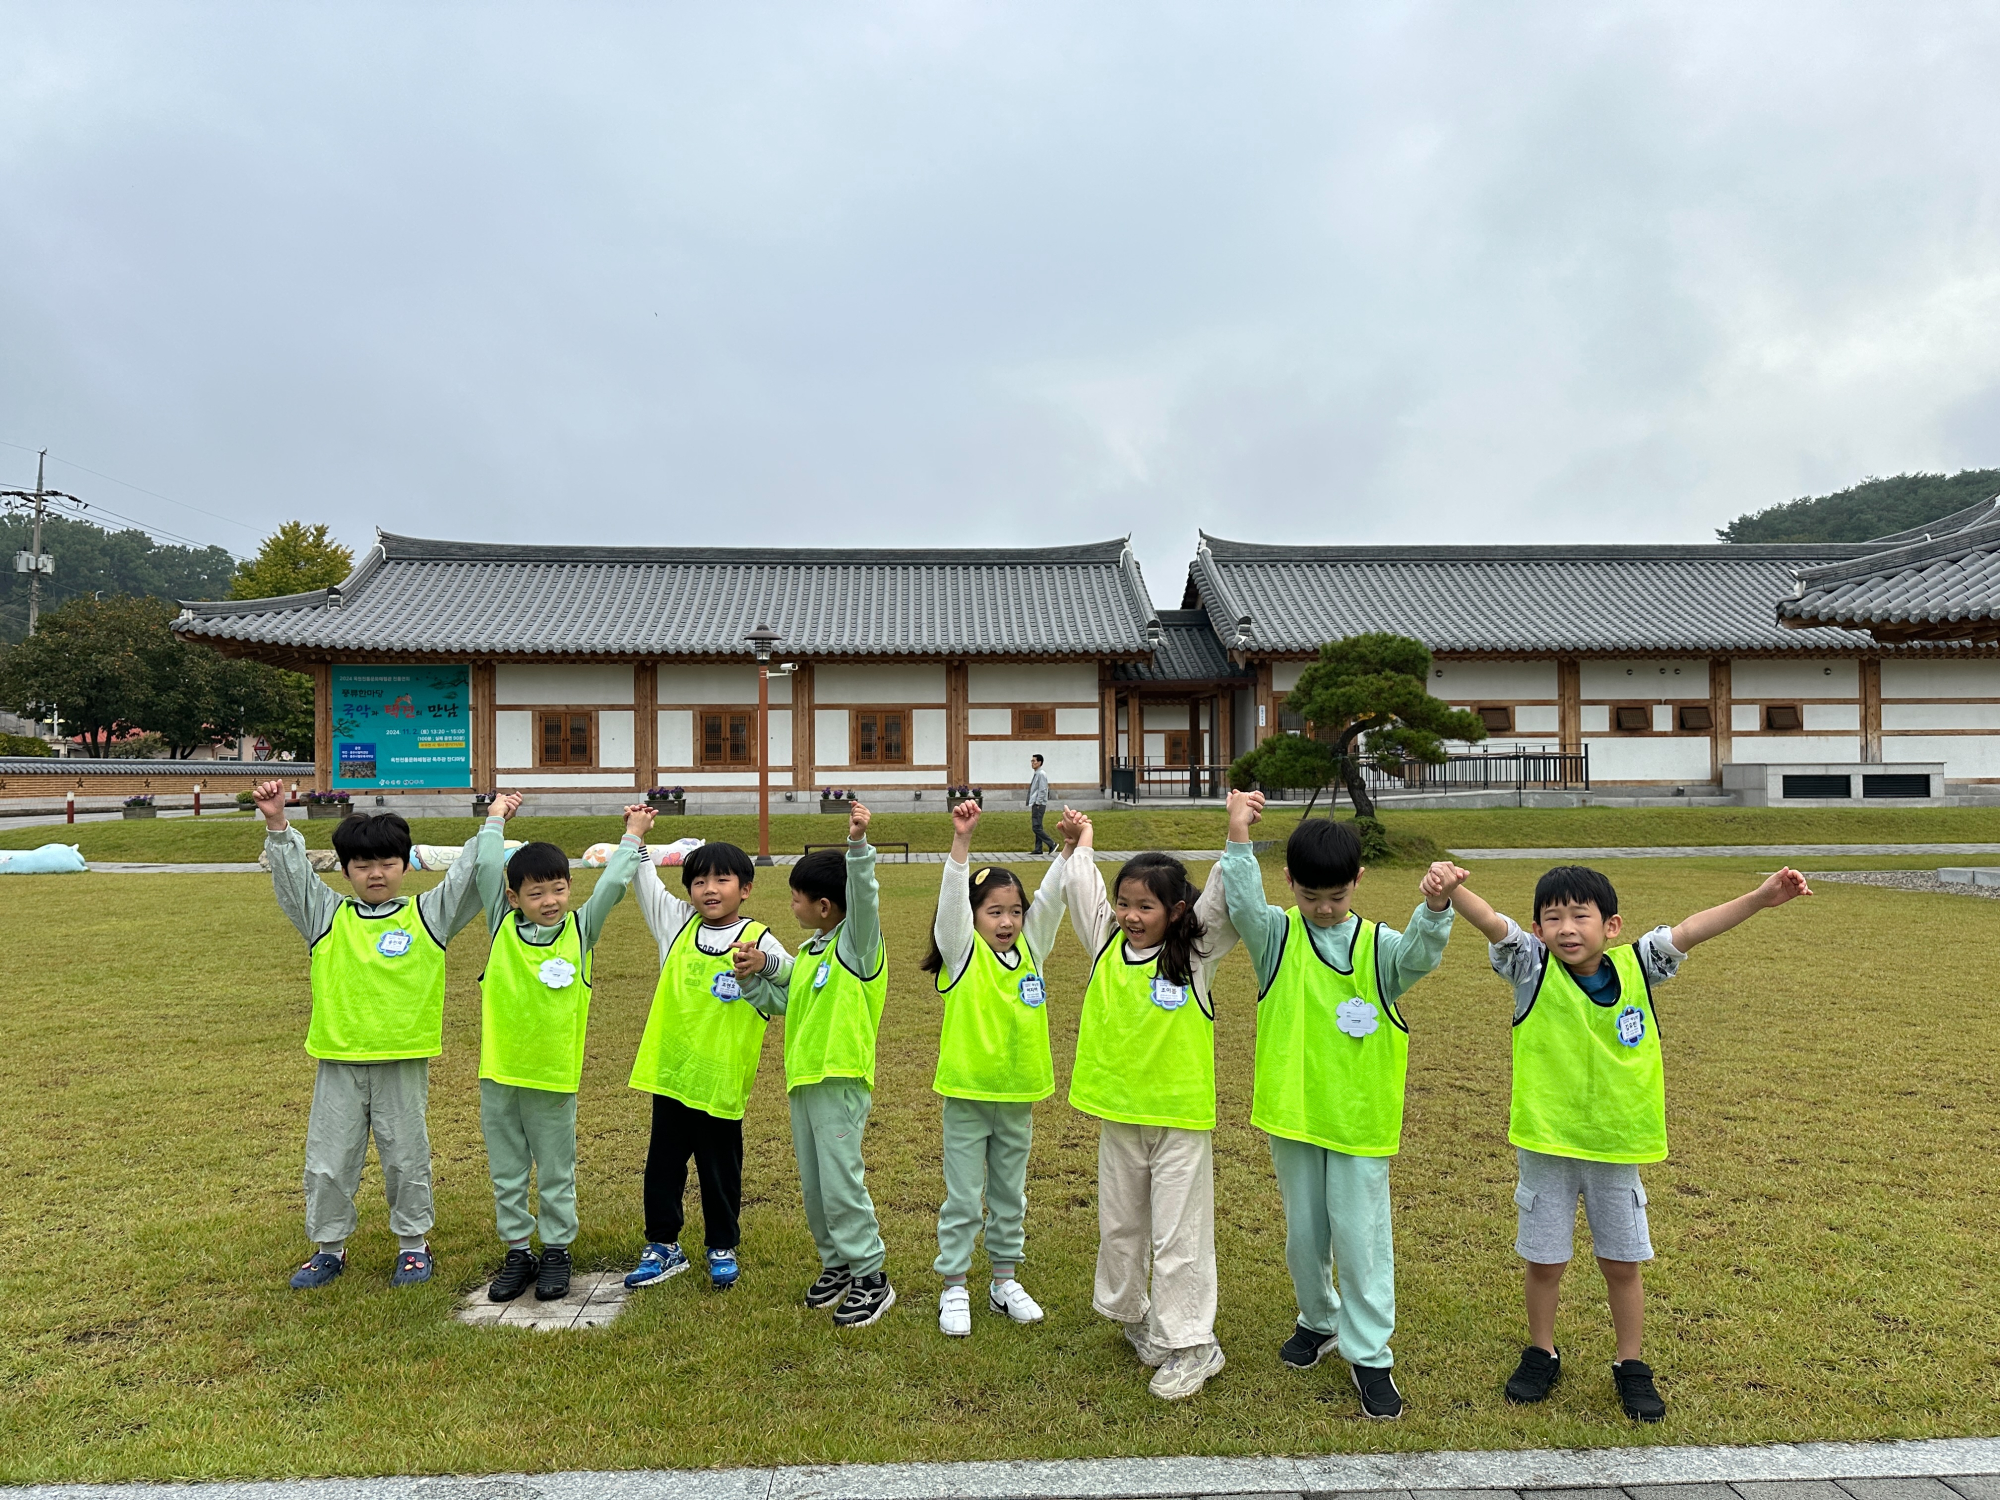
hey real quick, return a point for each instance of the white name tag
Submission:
(1169, 996)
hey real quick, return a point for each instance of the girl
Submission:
(1145, 1066)
(993, 1064)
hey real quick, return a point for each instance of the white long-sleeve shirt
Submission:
(666, 915)
(955, 933)
(1093, 916)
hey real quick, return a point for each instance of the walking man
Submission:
(1038, 803)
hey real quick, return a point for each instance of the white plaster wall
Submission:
(1745, 717)
(1663, 718)
(998, 763)
(1031, 682)
(716, 684)
(614, 738)
(513, 739)
(830, 746)
(781, 781)
(1665, 758)
(1538, 718)
(1965, 756)
(1594, 718)
(1763, 749)
(1823, 716)
(1155, 747)
(563, 683)
(676, 740)
(1169, 716)
(1941, 715)
(556, 780)
(1643, 679)
(1941, 679)
(1285, 674)
(989, 721)
(900, 777)
(1489, 681)
(927, 737)
(903, 682)
(779, 752)
(1076, 721)
(1795, 679)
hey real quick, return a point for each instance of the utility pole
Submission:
(35, 578)
(36, 562)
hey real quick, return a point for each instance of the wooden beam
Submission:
(322, 676)
(645, 725)
(804, 782)
(485, 729)
(1721, 731)
(957, 724)
(1871, 710)
(1569, 703)
(1107, 727)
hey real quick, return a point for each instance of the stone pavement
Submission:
(1936, 1469)
(595, 1298)
(1725, 851)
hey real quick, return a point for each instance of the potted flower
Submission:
(667, 801)
(957, 794)
(482, 805)
(833, 799)
(140, 807)
(327, 804)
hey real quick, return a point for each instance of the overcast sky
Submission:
(937, 274)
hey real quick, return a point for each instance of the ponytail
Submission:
(1167, 878)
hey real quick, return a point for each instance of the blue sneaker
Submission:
(722, 1271)
(318, 1271)
(656, 1265)
(412, 1266)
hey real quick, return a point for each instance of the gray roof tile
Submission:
(1188, 652)
(1941, 585)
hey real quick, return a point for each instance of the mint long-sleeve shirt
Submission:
(859, 932)
(1401, 958)
(490, 855)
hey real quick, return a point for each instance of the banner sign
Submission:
(402, 727)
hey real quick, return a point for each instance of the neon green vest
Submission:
(995, 1041)
(1145, 1049)
(832, 1016)
(377, 988)
(534, 1003)
(1332, 1049)
(703, 1039)
(1589, 1080)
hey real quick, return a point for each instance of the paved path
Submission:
(1728, 851)
(1939, 1469)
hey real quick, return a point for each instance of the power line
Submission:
(127, 484)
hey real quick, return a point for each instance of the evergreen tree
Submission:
(1875, 507)
(295, 559)
(91, 560)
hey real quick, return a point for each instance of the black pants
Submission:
(717, 1148)
(1035, 812)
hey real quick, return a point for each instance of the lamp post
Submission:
(762, 640)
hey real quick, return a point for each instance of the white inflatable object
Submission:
(49, 859)
(674, 853)
(441, 856)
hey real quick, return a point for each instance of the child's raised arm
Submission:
(1782, 886)
(952, 929)
(1448, 880)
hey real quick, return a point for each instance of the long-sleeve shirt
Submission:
(310, 902)
(955, 932)
(858, 933)
(1401, 958)
(1517, 958)
(666, 915)
(491, 862)
(1093, 916)
(1038, 789)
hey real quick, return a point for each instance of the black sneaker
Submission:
(1535, 1377)
(1304, 1348)
(868, 1297)
(517, 1273)
(830, 1288)
(1633, 1380)
(1379, 1397)
(553, 1282)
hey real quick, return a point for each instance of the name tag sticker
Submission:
(394, 943)
(1631, 1026)
(1357, 1017)
(1032, 993)
(557, 973)
(825, 973)
(726, 987)
(1169, 996)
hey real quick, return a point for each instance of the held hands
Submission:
(504, 805)
(1246, 810)
(638, 818)
(1070, 829)
(857, 822)
(270, 797)
(1440, 881)
(747, 959)
(1783, 886)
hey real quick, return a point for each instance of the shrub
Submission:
(23, 744)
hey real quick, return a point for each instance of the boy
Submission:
(698, 1058)
(833, 1008)
(377, 1020)
(1329, 1082)
(1590, 1101)
(534, 1005)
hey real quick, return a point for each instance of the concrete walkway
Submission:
(1725, 851)
(1938, 1469)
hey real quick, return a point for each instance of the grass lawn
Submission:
(1824, 1226)
(235, 837)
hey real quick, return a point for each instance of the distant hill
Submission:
(1872, 508)
(90, 559)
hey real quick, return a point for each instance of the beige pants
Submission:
(1156, 1212)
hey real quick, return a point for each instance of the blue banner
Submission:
(397, 728)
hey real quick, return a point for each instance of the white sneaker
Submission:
(1187, 1371)
(1142, 1344)
(1011, 1298)
(955, 1312)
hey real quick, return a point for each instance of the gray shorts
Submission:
(1614, 1204)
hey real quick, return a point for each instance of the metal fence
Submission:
(1519, 769)
(1132, 779)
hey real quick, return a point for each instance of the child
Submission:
(1145, 1066)
(833, 1008)
(993, 1064)
(377, 1021)
(534, 1004)
(698, 1057)
(1590, 1101)
(1329, 1082)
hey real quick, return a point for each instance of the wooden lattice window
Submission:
(728, 738)
(881, 737)
(1034, 723)
(568, 737)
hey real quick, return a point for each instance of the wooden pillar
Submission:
(1722, 747)
(1225, 726)
(485, 729)
(645, 725)
(1194, 745)
(322, 676)
(804, 780)
(1871, 710)
(1107, 728)
(1266, 706)
(1569, 703)
(957, 724)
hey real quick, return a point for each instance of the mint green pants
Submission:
(985, 1153)
(828, 1119)
(1337, 1217)
(530, 1130)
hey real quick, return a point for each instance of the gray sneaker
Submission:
(1150, 1353)
(1186, 1371)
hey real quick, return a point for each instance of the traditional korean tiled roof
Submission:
(1939, 582)
(1188, 652)
(1539, 600)
(460, 599)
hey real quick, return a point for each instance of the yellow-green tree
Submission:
(295, 559)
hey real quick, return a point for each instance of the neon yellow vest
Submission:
(832, 1016)
(377, 988)
(534, 1003)
(1589, 1079)
(1145, 1049)
(703, 1039)
(1332, 1049)
(995, 1040)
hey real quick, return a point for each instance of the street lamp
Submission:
(763, 640)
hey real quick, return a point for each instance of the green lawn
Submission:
(232, 837)
(1824, 1226)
